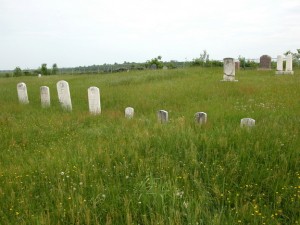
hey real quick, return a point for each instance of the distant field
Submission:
(58, 167)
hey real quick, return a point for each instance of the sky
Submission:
(87, 32)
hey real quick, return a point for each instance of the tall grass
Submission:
(58, 167)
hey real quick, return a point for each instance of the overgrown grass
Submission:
(59, 167)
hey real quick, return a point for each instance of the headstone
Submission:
(22, 93)
(265, 62)
(279, 63)
(201, 117)
(289, 64)
(129, 112)
(153, 67)
(247, 122)
(39, 75)
(64, 96)
(165, 68)
(94, 100)
(162, 116)
(229, 70)
(237, 64)
(45, 96)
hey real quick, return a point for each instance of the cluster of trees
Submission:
(43, 70)
(204, 61)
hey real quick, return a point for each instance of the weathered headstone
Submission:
(162, 116)
(22, 93)
(45, 96)
(279, 63)
(39, 75)
(247, 122)
(237, 64)
(265, 62)
(94, 100)
(201, 117)
(229, 70)
(129, 112)
(64, 96)
(289, 64)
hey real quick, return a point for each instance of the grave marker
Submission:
(265, 62)
(162, 116)
(94, 100)
(247, 122)
(201, 118)
(64, 96)
(129, 112)
(22, 93)
(229, 70)
(45, 96)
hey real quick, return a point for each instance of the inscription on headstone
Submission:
(22, 93)
(162, 116)
(64, 96)
(94, 100)
(45, 96)
(129, 112)
(201, 117)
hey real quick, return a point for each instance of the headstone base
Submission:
(229, 80)
(284, 72)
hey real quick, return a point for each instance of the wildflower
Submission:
(62, 173)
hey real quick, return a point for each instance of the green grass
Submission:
(58, 167)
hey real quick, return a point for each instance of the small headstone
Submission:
(162, 116)
(94, 100)
(165, 68)
(201, 117)
(64, 96)
(22, 93)
(45, 96)
(153, 67)
(265, 62)
(129, 112)
(229, 70)
(247, 122)
(39, 75)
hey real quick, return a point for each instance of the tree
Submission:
(296, 57)
(54, 69)
(44, 69)
(18, 72)
(202, 60)
(156, 61)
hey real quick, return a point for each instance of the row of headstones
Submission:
(64, 97)
(265, 64)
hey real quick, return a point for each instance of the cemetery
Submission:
(184, 146)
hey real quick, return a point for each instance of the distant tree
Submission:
(296, 57)
(54, 69)
(18, 72)
(156, 61)
(44, 69)
(203, 60)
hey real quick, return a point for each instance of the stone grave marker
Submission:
(94, 100)
(39, 75)
(162, 116)
(22, 93)
(45, 96)
(229, 70)
(265, 62)
(129, 112)
(201, 118)
(247, 122)
(64, 96)
(289, 64)
(237, 64)
(165, 68)
(279, 63)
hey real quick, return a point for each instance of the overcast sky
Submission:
(86, 32)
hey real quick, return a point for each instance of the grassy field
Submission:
(60, 167)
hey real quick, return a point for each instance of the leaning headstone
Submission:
(64, 96)
(265, 62)
(162, 116)
(229, 70)
(289, 64)
(94, 100)
(22, 93)
(45, 96)
(247, 122)
(201, 117)
(129, 112)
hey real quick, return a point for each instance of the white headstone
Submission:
(247, 122)
(279, 63)
(94, 100)
(64, 96)
(229, 69)
(39, 75)
(45, 96)
(129, 112)
(201, 117)
(162, 116)
(289, 63)
(22, 93)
